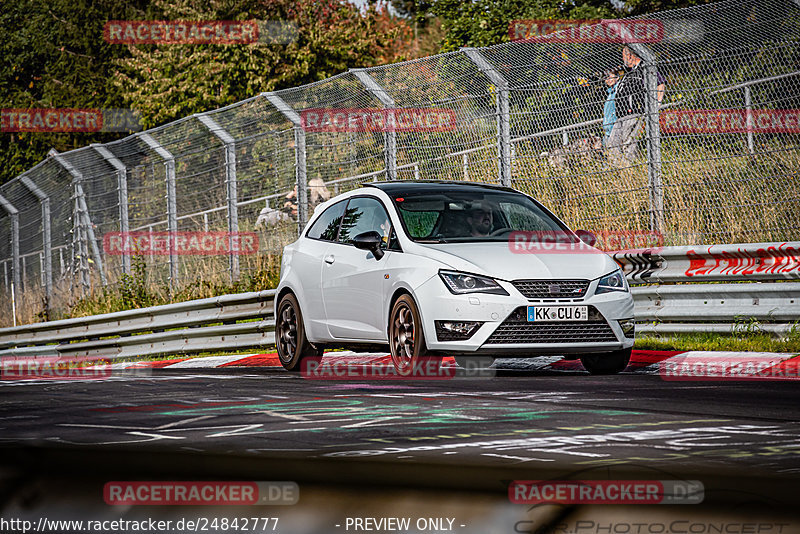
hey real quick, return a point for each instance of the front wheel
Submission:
(294, 350)
(407, 341)
(608, 363)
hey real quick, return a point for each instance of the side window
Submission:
(365, 214)
(326, 227)
(394, 244)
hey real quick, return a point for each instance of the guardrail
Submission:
(228, 322)
(712, 263)
(755, 295)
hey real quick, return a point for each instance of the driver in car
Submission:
(480, 219)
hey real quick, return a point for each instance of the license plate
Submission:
(558, 313)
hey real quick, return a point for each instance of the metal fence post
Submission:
(503, 113)
(300, 156)
(653, 128)
(80, 248)
(230, 187)
(172, 205)
(83, 209)
(748, 104)
(122, 190)
(47, 239)
(15, 262)
(390, 135)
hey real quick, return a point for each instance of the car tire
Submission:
(607, 363)
(474, 362)
(294, 350)
(410, 354)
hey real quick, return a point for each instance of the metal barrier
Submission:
(717, 308)
(712, 263)
(755, 295)
(228, 322)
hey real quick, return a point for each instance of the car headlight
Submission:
(461, 283)
(612, 282)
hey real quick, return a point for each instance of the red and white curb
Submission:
(644, 362)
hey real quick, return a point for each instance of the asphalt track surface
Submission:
(741, 438)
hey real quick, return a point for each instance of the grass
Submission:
(749, 342)
(141, 290)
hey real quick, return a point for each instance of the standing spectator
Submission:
(610, 108)
(623, 145)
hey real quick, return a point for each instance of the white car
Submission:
(435, 268)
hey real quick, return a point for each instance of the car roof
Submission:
(424, 186)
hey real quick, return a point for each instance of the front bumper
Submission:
(505, 332)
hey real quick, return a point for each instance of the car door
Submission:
(353, 279)
(307, 261)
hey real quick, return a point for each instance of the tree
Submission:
(170, 81)
(54, 56)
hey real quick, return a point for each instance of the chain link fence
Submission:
(706, 152)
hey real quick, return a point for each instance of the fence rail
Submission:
(743, 303)
(528, 115)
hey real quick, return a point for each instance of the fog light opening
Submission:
(456, 330)
(628, 327)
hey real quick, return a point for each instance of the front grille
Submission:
(517, 329)
(552, 289)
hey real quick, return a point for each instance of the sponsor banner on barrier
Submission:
(219, 32)
(583, 242)
(378, 120)
(61, 120)
(55, 368)
(587, 31)
(180, 243)
(165, 493)
(606, 492)
(716, 121)
(783, 259)
(730, 367)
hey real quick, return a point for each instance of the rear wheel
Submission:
(294, 350)
(608, 363)
(407, 341)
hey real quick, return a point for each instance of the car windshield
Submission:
(472, 215)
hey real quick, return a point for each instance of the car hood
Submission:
(498, 261)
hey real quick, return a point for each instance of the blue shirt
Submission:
(610, 110)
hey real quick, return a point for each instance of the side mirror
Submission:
(587, 237)
(370, 241)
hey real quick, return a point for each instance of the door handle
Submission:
(329, 259)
